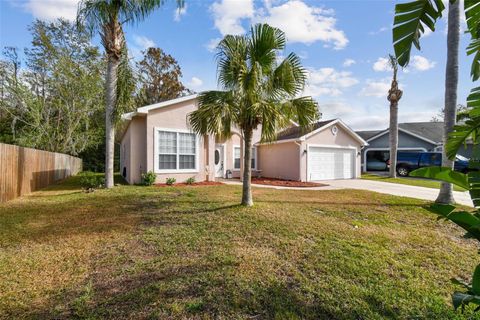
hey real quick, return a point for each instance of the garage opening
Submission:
(330, 163)
(376, 160)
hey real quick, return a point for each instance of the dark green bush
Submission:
(148, 178)
(90, 181)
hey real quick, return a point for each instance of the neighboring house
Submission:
(412, 136)
(158, 138)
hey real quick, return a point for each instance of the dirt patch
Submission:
(286, 183)
(195, 184)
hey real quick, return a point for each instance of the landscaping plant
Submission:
(148, 178)
(190, 180)
(466, 219)
(171, 181)
(262, 86)
(90, 181)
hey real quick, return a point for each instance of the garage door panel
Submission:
(330, 163)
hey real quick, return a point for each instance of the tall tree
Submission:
(108, 17)
(159, 77)
(53, 102)
(409, 24)
(394, 95)
(258, 90)
(451, 87)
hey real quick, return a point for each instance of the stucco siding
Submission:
(133, 153)
(279, 160)
(174, 117)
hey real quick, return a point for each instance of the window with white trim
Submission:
(237, 158)
(176, 150)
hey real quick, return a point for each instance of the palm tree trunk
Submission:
(111, 99)
(393, 138)
(247, 199)
(451, 83)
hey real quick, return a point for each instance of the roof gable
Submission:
(299, 133)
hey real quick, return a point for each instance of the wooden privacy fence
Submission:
(24, 170)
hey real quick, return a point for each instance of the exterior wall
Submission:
(326, 138)
(132, 151)
(280, 160)
(175, 117)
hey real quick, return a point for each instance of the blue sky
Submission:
(343, 44)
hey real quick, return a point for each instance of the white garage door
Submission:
(330, 163)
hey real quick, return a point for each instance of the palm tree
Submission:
(394, 95)
(409, 24)
(107, 17)
(451, 84)
(258, 90)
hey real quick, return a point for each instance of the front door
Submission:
(219, 165)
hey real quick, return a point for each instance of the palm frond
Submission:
(409, 24)
(470, 129)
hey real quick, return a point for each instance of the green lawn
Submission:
(192, 253)
(408, 181)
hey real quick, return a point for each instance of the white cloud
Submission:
(376, 88)
(382, 29)
(143, 42)
(195, 82)
(178, 13)
(52, 9)
(421, 63)
(300, 22)
(139, 44)
(328, 82)
(212, 44)
(348, 62)
(228, 15)
(303, 23)
(382, 64)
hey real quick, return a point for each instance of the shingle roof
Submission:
(368, 133)
(429, 130)
(297, 132)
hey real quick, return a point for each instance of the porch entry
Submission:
(219, 160)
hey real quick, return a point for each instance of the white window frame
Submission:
(156, 153)
(241, 156)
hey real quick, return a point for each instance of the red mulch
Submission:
(285, 183)
(195, 184)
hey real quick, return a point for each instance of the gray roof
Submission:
(368, 133)
(297, 132)
(432, 131)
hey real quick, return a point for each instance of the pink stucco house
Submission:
(158, 138)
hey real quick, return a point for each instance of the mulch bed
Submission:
(195, 184)
(285, 183)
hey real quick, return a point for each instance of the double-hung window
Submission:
(176, 150)
(237, 158)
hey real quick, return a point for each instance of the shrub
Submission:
(190, 180)
(148, 178)
(90, 181)
(171, 181)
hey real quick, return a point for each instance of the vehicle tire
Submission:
(403, 171)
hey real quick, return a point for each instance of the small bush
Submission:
(90, 181)
(148, 178)
(190, 180)
(171, 181)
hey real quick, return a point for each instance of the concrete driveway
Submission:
(397, 189)
(376, 186)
